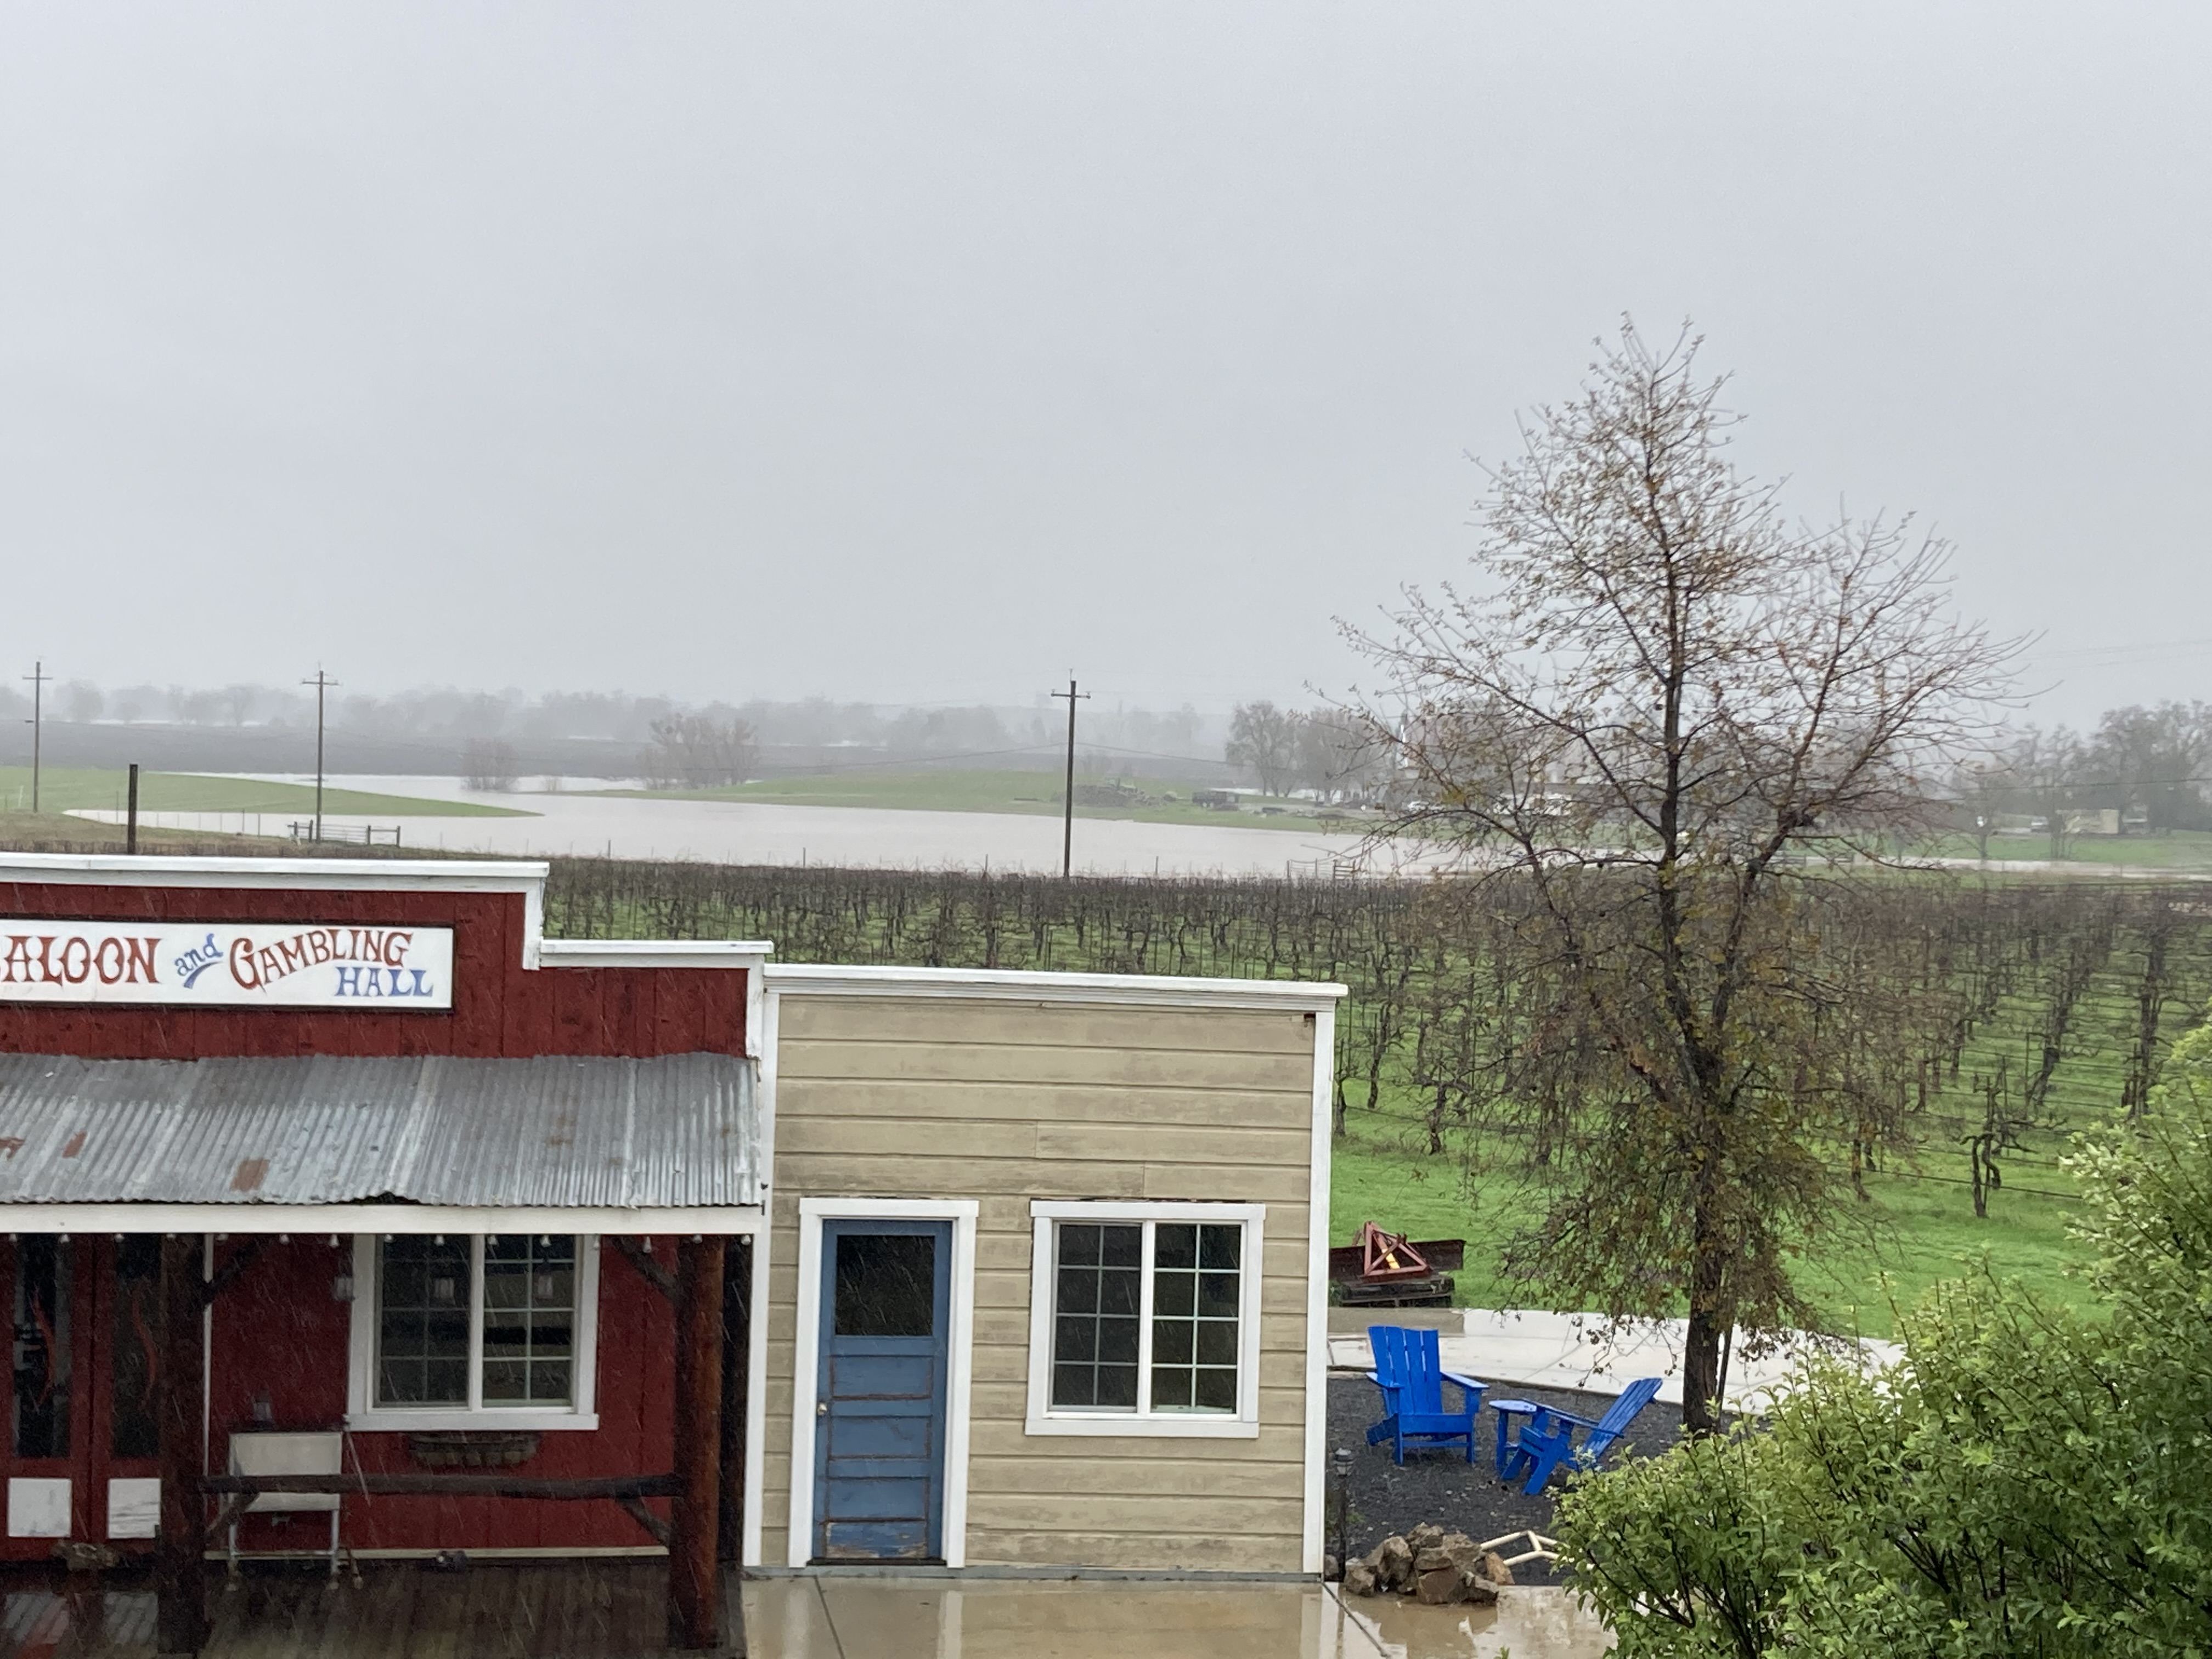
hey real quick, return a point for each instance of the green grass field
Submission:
(2177, 850)
(948, 790)
(1914, 1231)
(61, 789)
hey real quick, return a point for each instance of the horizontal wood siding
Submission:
(1004, 1102)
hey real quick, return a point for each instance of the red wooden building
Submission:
(342, 1156)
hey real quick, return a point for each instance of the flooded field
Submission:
(734, 832)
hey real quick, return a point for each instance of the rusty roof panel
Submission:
(553, 1131)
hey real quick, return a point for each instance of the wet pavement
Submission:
(1092, 1619)
(576, 1610)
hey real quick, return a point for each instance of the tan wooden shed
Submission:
(1044, 1281)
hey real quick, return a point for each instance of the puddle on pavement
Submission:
(1529, 1623)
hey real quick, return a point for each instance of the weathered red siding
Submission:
(499, 1008)
(278, 1333)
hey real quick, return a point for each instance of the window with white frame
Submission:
(499, 1325)
(1144, 1318)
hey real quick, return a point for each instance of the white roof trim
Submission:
(252, 1219)
(654, 952)
(524, 876)
(1007, 985)
(423, 875)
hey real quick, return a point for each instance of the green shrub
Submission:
(2026, 1482)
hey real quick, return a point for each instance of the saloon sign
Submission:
(227, 964)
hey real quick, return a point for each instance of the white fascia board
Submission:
(652, 953)
(1008, 985)
(523, 875)
(255, 1218)
(1314, 1531)
(401, 875)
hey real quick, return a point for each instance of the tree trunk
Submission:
(1708, 1324)
(1701, 1371)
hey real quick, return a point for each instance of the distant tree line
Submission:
(1318, 751)
(2147, 766)
(1113, 739)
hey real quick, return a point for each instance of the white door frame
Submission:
(806, 1377)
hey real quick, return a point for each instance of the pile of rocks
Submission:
(1432, 1565)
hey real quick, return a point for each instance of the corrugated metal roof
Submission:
(554, 1131)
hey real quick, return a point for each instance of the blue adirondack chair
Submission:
(1409, 1371)
(1548, 1439)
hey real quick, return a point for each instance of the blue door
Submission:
(879, 1411)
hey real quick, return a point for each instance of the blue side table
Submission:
(1506, 1409)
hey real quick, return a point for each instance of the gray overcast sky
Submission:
(924, 353)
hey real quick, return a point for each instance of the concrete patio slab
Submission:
(1542, 1350)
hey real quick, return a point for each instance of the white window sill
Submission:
(1133, 1427)
(430, 1421)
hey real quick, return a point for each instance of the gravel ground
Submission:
(1439, 1486)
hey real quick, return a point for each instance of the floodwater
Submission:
(746, 832)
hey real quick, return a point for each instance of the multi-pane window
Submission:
(1194, 1300)
(1145, 1317)
(489, 1322)
(422, 1317)
(1094, 1358)
(530, 1318)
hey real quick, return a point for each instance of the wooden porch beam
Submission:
(180, 1579)
(649, 1270)
(695, 1596)
(663, 1531)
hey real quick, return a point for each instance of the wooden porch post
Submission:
(180, 1579)
(737, 1375)
(694, 1579)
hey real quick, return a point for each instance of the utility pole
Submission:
(130, 816)
(1068, 817)
(38, 678)
(322, 682)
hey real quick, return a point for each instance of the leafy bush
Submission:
(2026, 1481)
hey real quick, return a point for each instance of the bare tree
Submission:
(488, 763)
(1263, 739)
(1663, 692)
(1336, 758)
(1986, 788)
(2050, 767)
(698, 752)
(82, 702)
(2150, 763)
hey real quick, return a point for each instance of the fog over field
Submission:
(923, 357)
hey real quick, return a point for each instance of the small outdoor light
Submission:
(443, 1291)
(342, 1287)
(263, 1412)
(541, 1289)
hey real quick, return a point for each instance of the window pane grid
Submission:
(1194, 1315)
(529, 1319)
(1097, 1317)
(424, 1292)
(1160, 1300)
(487, 1323)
